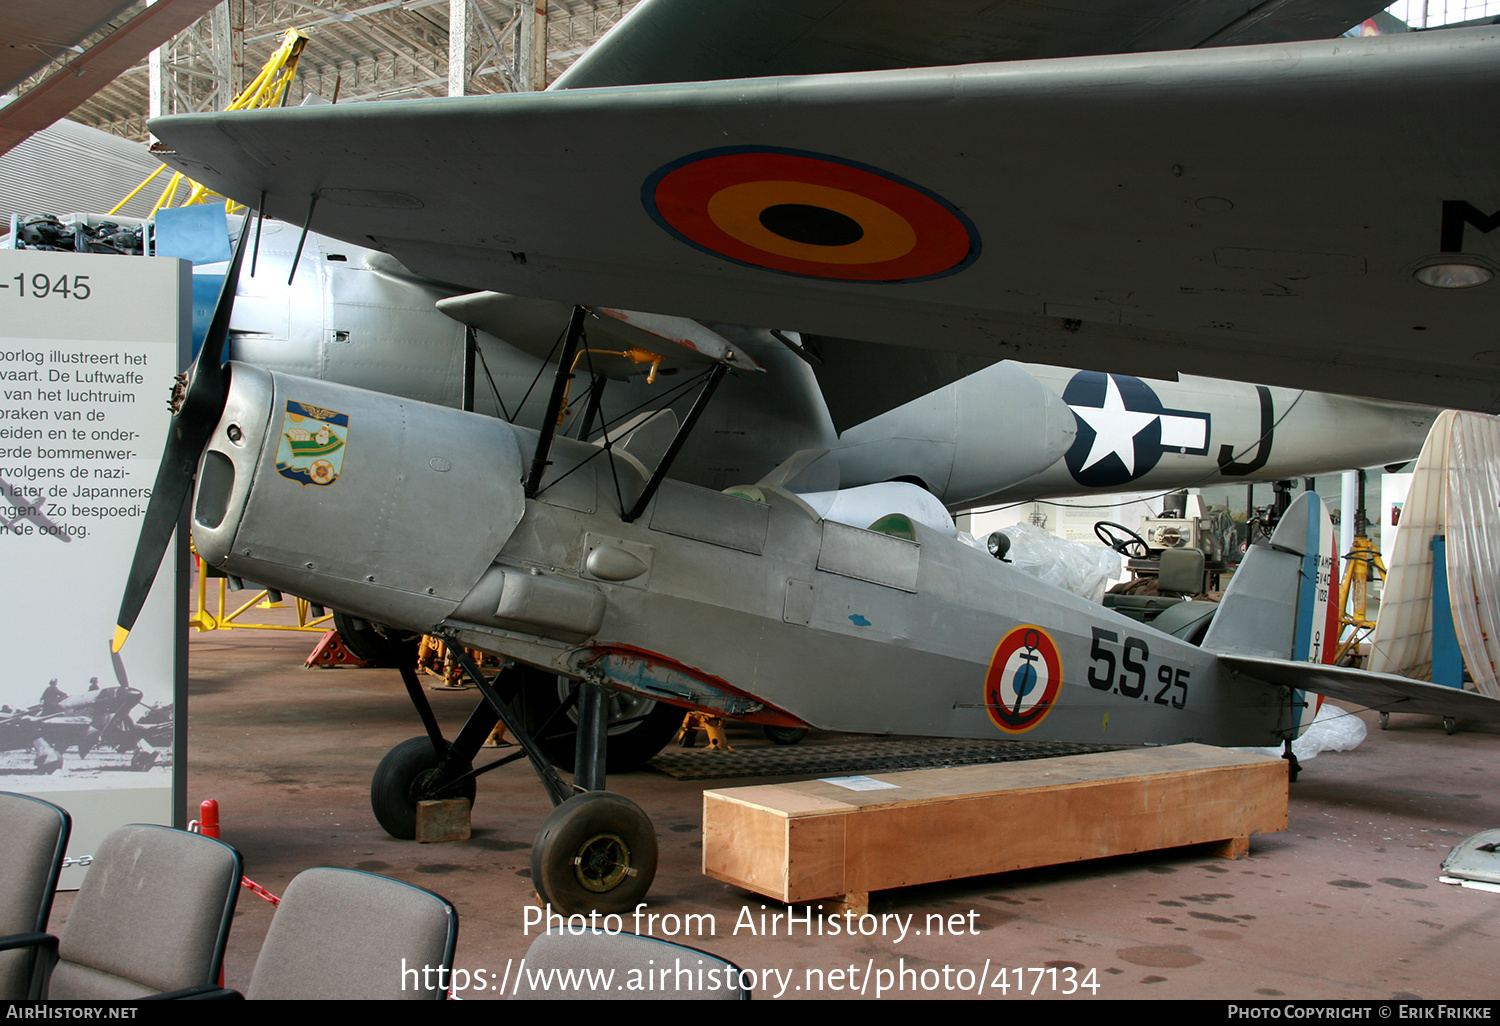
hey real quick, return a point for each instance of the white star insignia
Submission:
(1114, 426)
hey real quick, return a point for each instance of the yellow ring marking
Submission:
(736, 211)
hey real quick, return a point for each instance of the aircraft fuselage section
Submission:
(1126, 433)
(749, 605)
(856, 630)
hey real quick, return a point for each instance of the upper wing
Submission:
(704, 40)
(1212, 211)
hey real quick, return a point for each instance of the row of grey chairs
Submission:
(151, 920)
(152, 916)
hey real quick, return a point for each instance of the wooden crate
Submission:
(817, 840)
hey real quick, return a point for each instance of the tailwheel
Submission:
(595, 852)
(1385, 721)
(407, 775)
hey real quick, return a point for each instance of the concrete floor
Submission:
(1345, 904)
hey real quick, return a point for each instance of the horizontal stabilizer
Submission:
(1383, 692)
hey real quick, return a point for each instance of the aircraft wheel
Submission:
(362, 639)
(1450, 725)
(630, 745)
(784, 735)
(1385, 721)
(403, 778)
(595, 852)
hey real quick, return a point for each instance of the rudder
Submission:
(1280, 602)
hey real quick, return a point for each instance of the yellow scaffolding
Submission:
(269, 89)
(1362, 562)
(205, 619)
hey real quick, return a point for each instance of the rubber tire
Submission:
(784, 735)
(627, 750)
(608, 826)
(362, 639)
(399, 783)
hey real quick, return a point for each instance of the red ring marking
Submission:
(1024, 636)
(682, 196)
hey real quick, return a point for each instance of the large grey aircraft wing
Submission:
(1259, 211)
(699, 40)
(695, 40)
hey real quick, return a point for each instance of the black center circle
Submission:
(815, 226)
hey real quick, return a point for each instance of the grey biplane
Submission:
(1117, 211)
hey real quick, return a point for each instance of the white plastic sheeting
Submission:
(1454, 491)
(1078, 567)
(1332, 730)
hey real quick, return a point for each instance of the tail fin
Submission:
(1279, 602)
(1278, 625)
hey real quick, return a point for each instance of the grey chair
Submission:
(32, 844)
(566, 966)
(340, 934)
(152, 915)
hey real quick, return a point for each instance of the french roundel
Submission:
(1024, 678)
(809, 214)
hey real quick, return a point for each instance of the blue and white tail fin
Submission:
(1281, 603)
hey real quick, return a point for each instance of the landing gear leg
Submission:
(1293, 767)
(597, 850)
(423, 768)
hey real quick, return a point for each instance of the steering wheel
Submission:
(1131, 544)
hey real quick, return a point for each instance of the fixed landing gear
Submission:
(595, 852)
(407, 775)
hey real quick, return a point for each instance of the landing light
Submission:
(1453, 275)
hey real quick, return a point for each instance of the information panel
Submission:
(89, 346)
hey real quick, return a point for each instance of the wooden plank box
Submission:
(813, 839)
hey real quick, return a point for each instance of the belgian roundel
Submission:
(1023, 680)
(810, 215)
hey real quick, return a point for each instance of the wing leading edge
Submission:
(1190, 209)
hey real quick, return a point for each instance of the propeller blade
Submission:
(192, 423)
